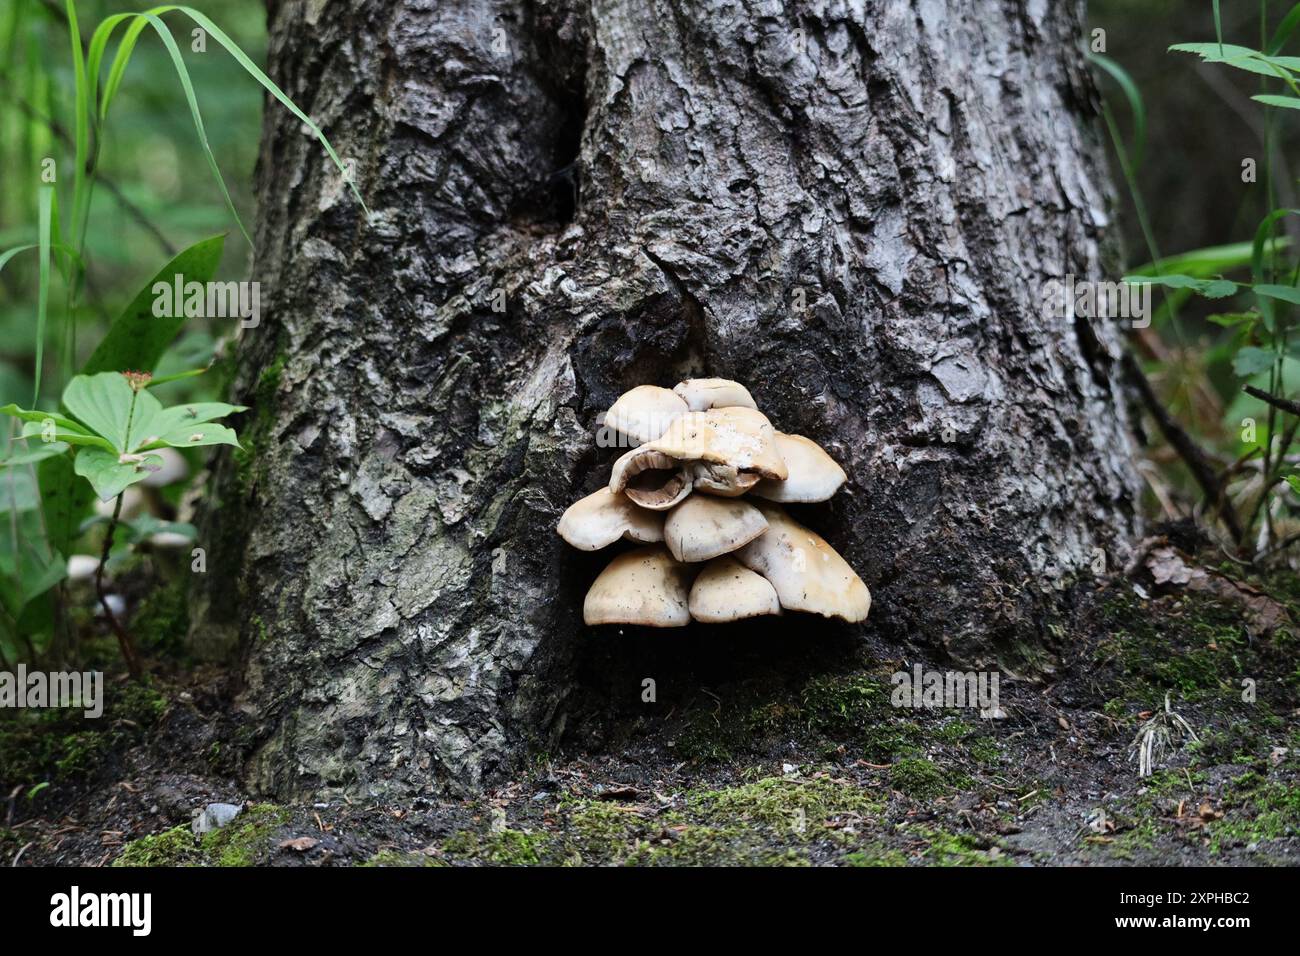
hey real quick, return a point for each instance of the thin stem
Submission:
(123, 638)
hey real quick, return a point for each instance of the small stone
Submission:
(213, 817)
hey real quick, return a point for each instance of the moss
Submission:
(876, 855)
(957, 849)
(387, 858)
(246, 841)
(502, 848)
(1257, 809)
(162, 621)
(800, 806)
(174, 847)
(921, 779)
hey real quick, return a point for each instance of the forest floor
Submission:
(821, 769)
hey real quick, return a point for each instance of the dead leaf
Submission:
(301, 844)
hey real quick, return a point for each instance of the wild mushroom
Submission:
(808, 574)
(603, 517)
(728, 591)
(645, 587)
(651, 479)
(814, 475)
(740, 438)
(645, 412)
(701, 528)
(701, 394)
(722, 480)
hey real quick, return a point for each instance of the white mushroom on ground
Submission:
(728, 591)
(603, 517)
(701, 528)
(646, 587)
(814, 475)
(808, 574)
(701, 394)
(707, 435)
(645, 412)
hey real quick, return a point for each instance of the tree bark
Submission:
(851, 207)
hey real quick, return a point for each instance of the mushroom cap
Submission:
(808, 574)
(722, 480)
(701, 394)
(603, 517)
(645, 412)
(651, 479)
(740, 437)
(645, 587)
(701, 527)
(727, 591)
(814, 475)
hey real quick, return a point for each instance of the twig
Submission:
(123, 638)
(1285, 404)
(1197, 461)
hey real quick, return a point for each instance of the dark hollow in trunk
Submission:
(851, 208)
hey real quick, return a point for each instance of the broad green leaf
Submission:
(1294, 482)
(1285, 293)
(1271, 99)
(1232, 319)
(33, 453)
(65, 498)
(137, 338)
(102, 403)
(62, 421)
(144, 417)
(1214, 51)
(1285, 29)
(18, 492)
(1251, 361)
(1210, 288)
(194, 436)
(196, 413)
(37, 430)
(108, 475)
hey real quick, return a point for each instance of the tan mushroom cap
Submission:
(701, 527)
(722, 480)
(808, 574)
(644, 587)
(727, 591)
(651, 479)
(701, 394)
(742, 438)
(814, 475)
(645, 412)
(603, 517)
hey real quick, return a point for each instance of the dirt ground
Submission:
(792, 764)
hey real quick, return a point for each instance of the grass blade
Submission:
(45, 202)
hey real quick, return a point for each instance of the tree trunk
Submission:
(851, 207)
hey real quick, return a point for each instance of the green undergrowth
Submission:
(247, 841)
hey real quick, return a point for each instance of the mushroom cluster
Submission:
(707, 435)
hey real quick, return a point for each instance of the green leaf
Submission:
(108, 475)
(1214, 51)
(194, 436)
(64, 499)
(1285, 293)
(181, 416)
(79, 437)
(1285, 29)
(1271, 99)
(144, 417)
(61, 421)
(1232, 319)
(1250, 361)
(31, 455)
(102, 403)
(137, 338)
(1135, 104)
(1294, 482)
(1210, 288)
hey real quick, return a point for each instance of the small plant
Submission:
(112, 425)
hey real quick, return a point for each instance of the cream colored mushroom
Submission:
(651, 479)
(741, 438)
(728, 591)
(603, 517)
(808, 574)
(701, 528)
(701, 394)
(645, 412)
(722, 480)
(645, 587)
(814, 475)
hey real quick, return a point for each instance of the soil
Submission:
(773, 756)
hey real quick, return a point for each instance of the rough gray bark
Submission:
(849, 206)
